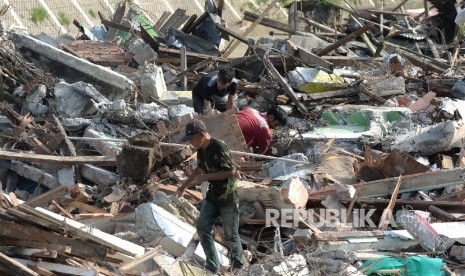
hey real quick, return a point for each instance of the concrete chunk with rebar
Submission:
(114, 85)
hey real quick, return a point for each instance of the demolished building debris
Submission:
(366, 178)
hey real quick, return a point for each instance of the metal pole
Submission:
(185, 145)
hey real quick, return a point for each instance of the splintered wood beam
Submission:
(62, 160)
(151, 41)
(16, 267)
(441, 214)
(289, 91)
(162, 20)
(82, 206)
(257, 21)
(48, 196)
(384, 221)
(78, 247)
(233, 34)
(148, 255)
(346, 39)
(248, 16)
(59, 268)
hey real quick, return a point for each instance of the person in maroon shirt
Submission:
(256, 127)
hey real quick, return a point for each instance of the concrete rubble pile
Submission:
(366, 179)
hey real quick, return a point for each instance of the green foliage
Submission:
(38, 14)
(92, 13)
(63, 19)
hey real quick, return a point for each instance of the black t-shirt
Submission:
(216, 157)
(207, 87)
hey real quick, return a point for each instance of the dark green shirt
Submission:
(215, 158)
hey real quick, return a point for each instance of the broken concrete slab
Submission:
(75, 124)
(333, 169)
(99, 175)
(281, 169)
(156, 226)
(35, 174)
(177, 111)
(173, 267)
(292, 195)
(357, 123)
(178, 207)
(141, 51)
(431, 139)
(295, 264)
(385, 87)
(66, 177)
(35, 98)
(113, 85)
(78, 99)
(106, 148)
(152, 83)
(152, 113)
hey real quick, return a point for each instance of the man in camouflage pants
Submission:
(214, 164)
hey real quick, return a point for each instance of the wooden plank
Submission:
(441, 214)
(196, 23)
(148, 255)
(121, 11)
(308, 57)
(338, 236)
(60, 160)
(59, 268)
(27, 218)
(183, 60)
(349, 210)
(14, 199)
(449, 206)
(415, 182)
(161, 21)
(42, 271)
(192, 55)
(54, 142)
(189, 23)
(248, 16)
(86, 232)
(31, 252)
(171, 189)
(32, 244)
(94, 215)
(152, 42)
(181, 21)
(15, 267)
(82, 206)
(66, 213)
(70, 145)
(114, 208)
(79, 248)
(193, 68)
(48, 196)
(230, 32)
(118, 26)
(177, 15)
(345, 39)
(289, 91)
(255, 23)
(384, 221)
